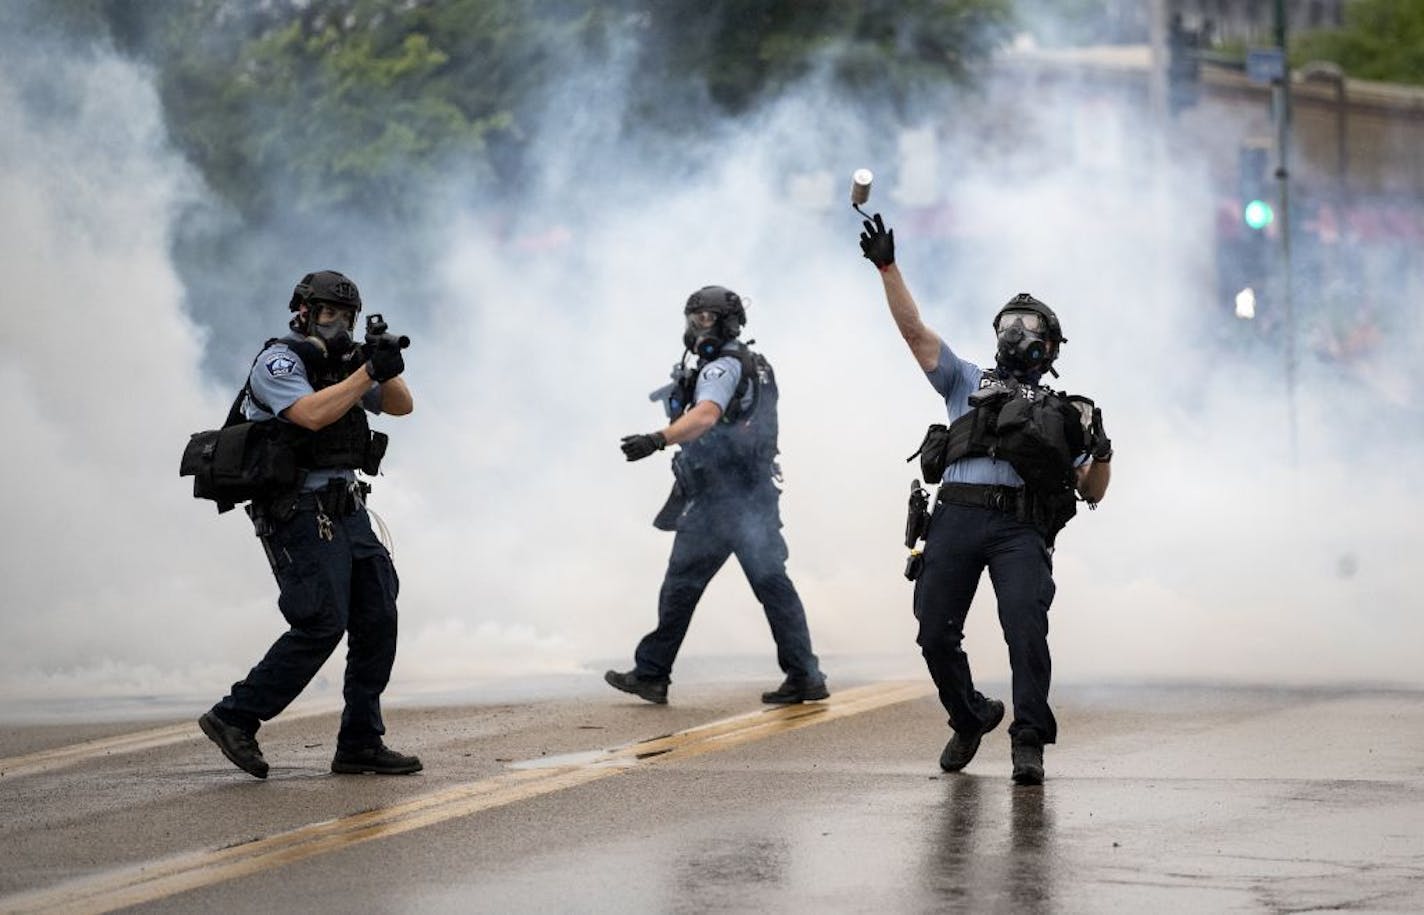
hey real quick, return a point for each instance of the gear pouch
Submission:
(934, 450)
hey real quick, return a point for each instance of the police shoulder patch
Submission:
(279, 364)
(713, 372)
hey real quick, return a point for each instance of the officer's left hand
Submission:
(637, 447)
(1100, 445)
(385, 363)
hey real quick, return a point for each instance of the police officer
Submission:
(986, 515)
(335, 577)
(725, 499)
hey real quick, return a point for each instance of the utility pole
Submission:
(1157, 72)
(1283, 128)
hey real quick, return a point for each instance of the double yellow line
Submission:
(169, 876)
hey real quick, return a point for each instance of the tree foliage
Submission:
(347, 129)
(1380, 40)
(312, 105)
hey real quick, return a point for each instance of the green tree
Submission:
(1380, 40)
(746, 51)
(312, 105)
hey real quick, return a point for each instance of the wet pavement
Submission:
(1165, 799)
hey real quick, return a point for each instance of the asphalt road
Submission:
(1183, 799)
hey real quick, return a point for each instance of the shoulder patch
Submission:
(713, 372)
(279, 364)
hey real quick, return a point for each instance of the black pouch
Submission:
(1033, 437)
(934, 450)
(238, 462)
(914, 565)
(375, 451)
(667, 516)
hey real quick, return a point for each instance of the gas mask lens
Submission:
(702, 320)
(1032, 321)
(332, 318)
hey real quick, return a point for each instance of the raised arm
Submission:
(878, 245)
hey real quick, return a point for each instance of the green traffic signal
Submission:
(1258, 214)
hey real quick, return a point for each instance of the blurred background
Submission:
(1222, 199)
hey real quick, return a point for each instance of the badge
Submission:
(713, 372)
(279, 364)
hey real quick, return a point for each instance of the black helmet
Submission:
(707, 341)
(1025, 302)
(326, 286)
(719, 299)
(1028, 342)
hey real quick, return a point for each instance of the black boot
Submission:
(380, 760)
(1027, 753)
(236, 744)
(794, 690)
(630, 682)
(962, 746)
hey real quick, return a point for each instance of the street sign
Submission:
(1265, 65)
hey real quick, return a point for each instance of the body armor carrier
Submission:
(348, 443)
(739, 453)
(1039, 431)
(1033, 427)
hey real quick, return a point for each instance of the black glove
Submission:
(1100, 446)
(637, 447)
(385, 363)
(877, 243)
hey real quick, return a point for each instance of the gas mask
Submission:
(334, 336)
(715, 315)
(1024, 344)
(704, 334)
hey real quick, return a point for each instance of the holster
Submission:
(917, 519)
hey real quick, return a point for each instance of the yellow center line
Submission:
(154, 880)
(59, 757)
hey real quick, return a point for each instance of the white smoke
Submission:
(522, 536)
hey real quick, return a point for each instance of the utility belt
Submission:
(1047, 512)
(337, 498)
(1007, 499)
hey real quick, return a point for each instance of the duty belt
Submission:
(338, 498)
(998, 498)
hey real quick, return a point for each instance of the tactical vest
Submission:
(1033, 427)
(741, 449)
(348, 443)
(1040, 433)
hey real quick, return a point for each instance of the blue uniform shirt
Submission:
(279, 379)
(955, 379)
(718, 379)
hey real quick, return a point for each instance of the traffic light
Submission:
(1256, 212)
(1244, 250)
(1183, 65)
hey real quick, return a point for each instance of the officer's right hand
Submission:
(878, 243)
(385, 363)
(637, 447)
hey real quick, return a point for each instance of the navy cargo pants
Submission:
(961, 542)
(711, 531)
(345, 586)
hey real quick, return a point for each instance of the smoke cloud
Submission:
(523, 538)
